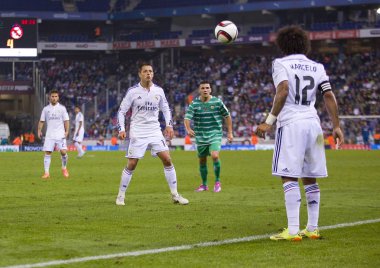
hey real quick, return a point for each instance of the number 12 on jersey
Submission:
(303, 92)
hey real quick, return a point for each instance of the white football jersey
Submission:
(79, 118)
(55, 116)
(145, 105)
(305, 77)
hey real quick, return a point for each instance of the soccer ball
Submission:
(226, 32)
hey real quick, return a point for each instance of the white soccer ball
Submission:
(226, 32)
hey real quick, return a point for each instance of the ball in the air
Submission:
(226, 32)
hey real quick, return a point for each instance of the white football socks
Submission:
(64, 159)
(79, 148)
(126, 177)
(47, 161)
(313, 197)
(171, 178)
(292, 204)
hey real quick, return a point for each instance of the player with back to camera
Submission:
(79, 131)
(146, 100)
(208, 113)
(57, 120)
(299, 146)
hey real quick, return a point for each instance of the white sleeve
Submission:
(124, 108)
(279, 73)
(43, 117)
(65, 115)
(324, 81)
(164, 107)
(80, 118)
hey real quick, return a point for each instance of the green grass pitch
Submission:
(61, 218)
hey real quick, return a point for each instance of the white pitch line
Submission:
(176, 248)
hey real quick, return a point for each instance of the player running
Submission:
(299, 148)
(208, 113)
(57, 121)
(146, 100)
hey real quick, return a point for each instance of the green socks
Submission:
(217, 170)
(203, 171)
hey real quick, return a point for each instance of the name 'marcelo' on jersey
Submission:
(54, 116)
(304, 77)
(79, 118)
(145, 105)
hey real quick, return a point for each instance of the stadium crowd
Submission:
(243, 82)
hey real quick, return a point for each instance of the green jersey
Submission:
(208, 119)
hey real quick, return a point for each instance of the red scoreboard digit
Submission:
(18, 37)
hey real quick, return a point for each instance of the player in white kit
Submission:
(146, 100)
(299, 148)
(79, 131)
(57, 120)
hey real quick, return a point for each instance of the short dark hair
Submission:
(144, 64)
(77, 106)
(204, 82)
(293, 40)
(53, 91)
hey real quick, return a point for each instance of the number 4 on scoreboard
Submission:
(10, 43)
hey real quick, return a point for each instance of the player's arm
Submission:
(189, 131)
(282, 93)
(164, 107)
(79, 126)
(332, 109)
(124, 108)
(66, 124)
(39, 129)
(228, 122)
(188, 116)
(41, 124)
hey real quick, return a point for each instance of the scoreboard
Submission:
(18, 37)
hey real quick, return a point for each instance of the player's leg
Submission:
(78, 144)
(203, 152)
(136, 151)
(215, 148)
(171, 177)
(47, 161)
(62, 146)
(314, 167)
(48, 148)
(203, 172)
(287, 162)
(313, 197)
(292, 204)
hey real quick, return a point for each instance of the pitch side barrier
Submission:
(186, 147)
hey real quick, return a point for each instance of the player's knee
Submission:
(167, 161)
(215, 156)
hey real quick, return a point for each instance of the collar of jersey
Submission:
(141, 87)
(296, 56)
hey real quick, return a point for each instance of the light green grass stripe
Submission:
(177, 248)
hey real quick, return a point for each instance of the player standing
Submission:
(57, 121)
(208, 113)
(299, 148)
(146, 100)
(79, 131)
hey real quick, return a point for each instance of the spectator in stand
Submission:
(17, 140)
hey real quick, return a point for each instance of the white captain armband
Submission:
(324, 87)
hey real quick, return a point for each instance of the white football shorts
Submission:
(138, 146)
(50, 144)
(299, 150)
(80, 136)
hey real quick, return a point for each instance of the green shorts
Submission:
(205, 150)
